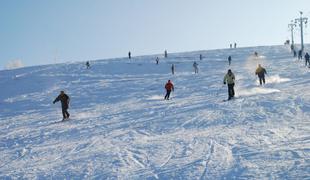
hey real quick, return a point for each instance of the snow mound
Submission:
(276, 79)
(256, 91)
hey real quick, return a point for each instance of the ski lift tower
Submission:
(292, 25)
(301, 22)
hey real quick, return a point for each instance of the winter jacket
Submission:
(229, 78)
(260, 71)
(169, 86)
(64, 99)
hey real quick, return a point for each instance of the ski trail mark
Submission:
(208, 158)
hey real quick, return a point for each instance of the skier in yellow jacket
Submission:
(260, 72)
(229, 78)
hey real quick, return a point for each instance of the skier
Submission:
(169, 87)
(129, 55)
(295, 53)
(64, 99)
(166, 54)
(235, 45)
(172, 68)
(195, 65)
(255, 54)
(230, 46)
(299, 54)
(307, 59)
(157, 60)
(229, 78)
(87, 65)
(260, 72)
(200, 57)
(292, 47)
(229, 60)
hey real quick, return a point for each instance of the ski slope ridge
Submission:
(121, 128)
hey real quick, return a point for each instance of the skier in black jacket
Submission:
(307, 59)
(229, 60)
(299, 54)
(64, 99)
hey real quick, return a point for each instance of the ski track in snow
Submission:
(121, 128)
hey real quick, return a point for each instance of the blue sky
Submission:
(42, 31)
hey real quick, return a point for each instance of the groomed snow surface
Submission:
(122, 128)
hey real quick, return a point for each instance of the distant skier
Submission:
(230, 46)
(287, 42)
(129, 55)
(229, 79)
(235, 45)
(64, 99)
(157, 60)
(299, 54)
(260, 72)
(166, 54)
(195, 65)
(307, 59)
(87, 65)
(292, 47)
(200, 57)
(169, 87)
(229, 60)
(172, 68)
(255, 54)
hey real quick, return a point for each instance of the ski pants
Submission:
(65, 113)
(231, 91)
(261, 80)
(307, 61)
(167, 94)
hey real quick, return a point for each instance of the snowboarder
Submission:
(195, 65)
(299, 54)
(166, 54)
(260, 72)
(229, 60)
(200, 57)
(64, 99)
(229, 79)
(87, 65)
(172, 68)
(169, 87)
(307, 59)
(157, 60)
(129, 55)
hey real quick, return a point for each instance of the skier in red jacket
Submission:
(169, 87)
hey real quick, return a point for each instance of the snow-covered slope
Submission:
(121, 128)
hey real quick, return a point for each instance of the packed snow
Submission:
(122, 128)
